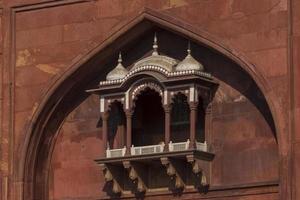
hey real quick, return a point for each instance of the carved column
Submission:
(193, 120)
(128, 130)
(104, 116)
(208, 120)
(167, 109)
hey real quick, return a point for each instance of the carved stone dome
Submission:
(162, 61)
(189, 63)
(155, 59)
(118, 72)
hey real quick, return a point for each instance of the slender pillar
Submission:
(193, 120)
(104, 131)
(128, 131)
(208, 119)
(167, 109)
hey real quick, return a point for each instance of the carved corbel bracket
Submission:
(134, 176)
(172, 172)
(108, 177)
(199, 170)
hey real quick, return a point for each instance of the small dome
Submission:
(155, 59)
(118, 72)
(189, 63)
(165, 62)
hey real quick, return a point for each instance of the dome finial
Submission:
(189, 48)
(119, 71)
(120, 57)
(189, 63)
(155, 46)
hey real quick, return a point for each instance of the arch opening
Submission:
(148, 118)
(180, 118)
(43, 132)
(116, 126)
(200, 125)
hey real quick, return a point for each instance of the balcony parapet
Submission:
(202, 146)
(113, 153)
(153, 149)
(149, 149)
(179, 146)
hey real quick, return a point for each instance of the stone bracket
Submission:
(135, 175)
(110, 176)
(173, 172)
(200, 170)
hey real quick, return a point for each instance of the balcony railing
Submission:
(179, 146)
(142, 150)
(112, 153)
(201, 146)
(150, 149)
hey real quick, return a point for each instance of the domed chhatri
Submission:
(189, 63)
(162, 62)
(118, 72)
(155, 59)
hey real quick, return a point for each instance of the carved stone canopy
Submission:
(170, 74)
(165, 64)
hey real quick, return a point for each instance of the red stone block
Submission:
(254, 7)
(113, 8)
(24, 75)
(296, 169)
(39, 37)
(58, 15)
(271, 62)
(260, 40)
(28, 97)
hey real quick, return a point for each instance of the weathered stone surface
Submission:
(50, 39)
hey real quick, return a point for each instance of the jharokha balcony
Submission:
(156, 125)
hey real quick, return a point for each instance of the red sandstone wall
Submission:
(295, 53)
(48, 40)
(73, 171)
(245, 148)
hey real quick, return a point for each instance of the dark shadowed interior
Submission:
(116, 126)
(180, 119)
(148, 119)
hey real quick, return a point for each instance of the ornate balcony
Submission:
(163, 108)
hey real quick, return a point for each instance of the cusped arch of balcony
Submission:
(142, 85)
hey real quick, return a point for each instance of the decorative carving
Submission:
(116, 188)
(137, 90)
(133, 175)
(173, 94)
(171, 171)
(198, 171)
(108, 177)
(107, 174)
(158, 69)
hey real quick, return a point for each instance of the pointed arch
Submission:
(40, 138)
